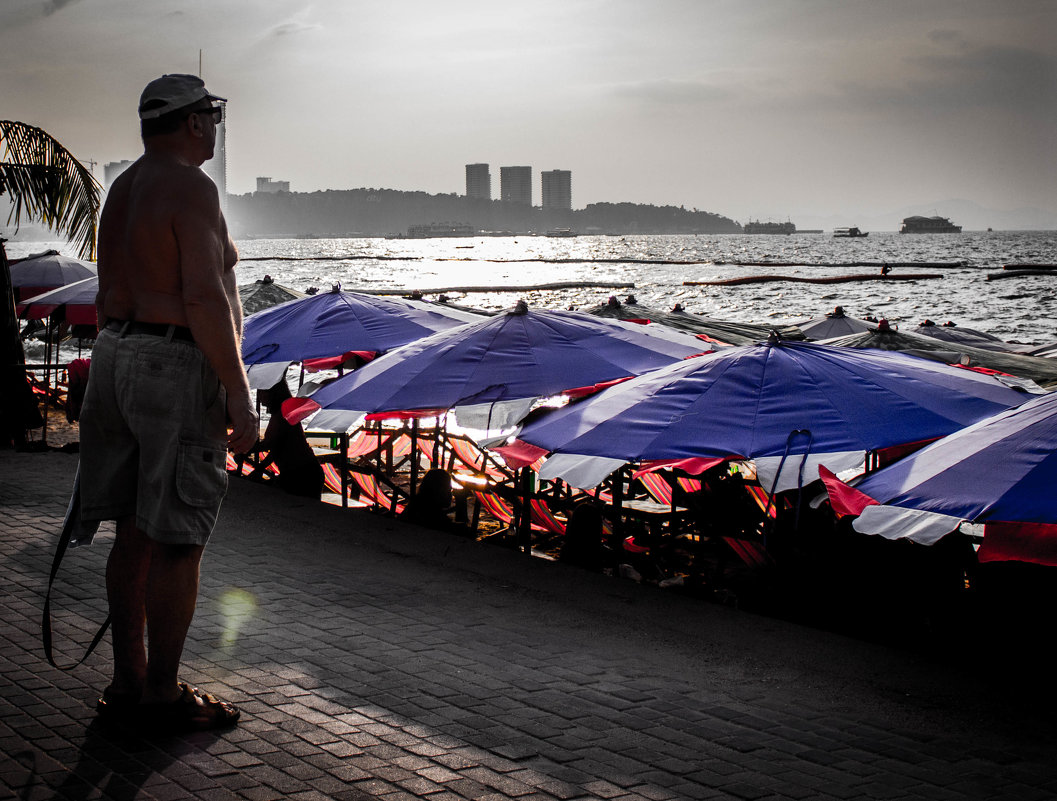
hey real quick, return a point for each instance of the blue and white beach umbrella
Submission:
(491, 373)
(333, 324)
(788, 405)
(45, 271)
(1000, 472)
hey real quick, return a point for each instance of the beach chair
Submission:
(750, 550)
(367, 441)
(372, 492)
(495, 506)
(337, 495)
(332, 480)
(542, 519)
(246, 468)
(475, 458)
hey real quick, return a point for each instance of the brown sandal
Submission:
(194, 710)
(117, 706)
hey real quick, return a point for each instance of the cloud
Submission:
(53, 6)
(292, 28)
(1004, 77)
(21, 12)
(667, 91)
(941, 36)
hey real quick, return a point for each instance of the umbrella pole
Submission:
(411, 490)
(524, 533)
(618, 502)
(343, 460)
(47, 380)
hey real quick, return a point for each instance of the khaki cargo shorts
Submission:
(153, 435)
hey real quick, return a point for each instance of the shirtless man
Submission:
(166, 382)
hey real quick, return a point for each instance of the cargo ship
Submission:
(929, 225)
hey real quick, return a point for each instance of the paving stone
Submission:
(389, 662)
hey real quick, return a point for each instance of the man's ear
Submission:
(194, 124)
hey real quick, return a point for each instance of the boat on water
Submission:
(757, 227)
(437, 230)
(929, 225)
(849, 232)
(560, 232)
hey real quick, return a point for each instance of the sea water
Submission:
(1022, 309)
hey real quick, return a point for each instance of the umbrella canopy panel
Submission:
(764, 401)
(1001, 468)
(949, 332)
(76, 302)
(1000, 472)
(834, 324)
(335, 323)
(43, 272)
(264, 294)
(1036, 368)
(506, 361)
(725, 331)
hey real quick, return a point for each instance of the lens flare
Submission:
(237, 607)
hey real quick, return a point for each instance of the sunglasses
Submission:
(216, 111)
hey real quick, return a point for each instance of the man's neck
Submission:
(171, 149)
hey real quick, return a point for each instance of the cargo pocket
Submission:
(201, 474)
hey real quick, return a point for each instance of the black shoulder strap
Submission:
(68, 526)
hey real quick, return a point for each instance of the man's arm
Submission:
(200, 235)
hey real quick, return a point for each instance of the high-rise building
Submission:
(217, 167)
(557, 186)
(267, 186)
(515, 184)
(112, 169)
(478, 181)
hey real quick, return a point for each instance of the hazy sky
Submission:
(749, 108)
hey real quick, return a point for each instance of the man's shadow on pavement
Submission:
(116, 761)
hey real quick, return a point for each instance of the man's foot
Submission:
(117, 706)
(194, 710)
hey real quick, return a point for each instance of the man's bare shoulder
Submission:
(182, 181)
(128, 177)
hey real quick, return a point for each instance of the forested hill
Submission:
(374, 212)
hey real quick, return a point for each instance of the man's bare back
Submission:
(140, 276)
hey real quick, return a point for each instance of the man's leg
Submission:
(126, 583)
(171, 596)
(153, 589)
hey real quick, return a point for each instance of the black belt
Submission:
(167, 330)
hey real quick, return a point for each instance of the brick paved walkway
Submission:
(376, 660)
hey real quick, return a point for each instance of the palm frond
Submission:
(48, 184)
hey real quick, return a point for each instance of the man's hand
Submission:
(245, 424)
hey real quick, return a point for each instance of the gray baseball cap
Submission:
(170, 92)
